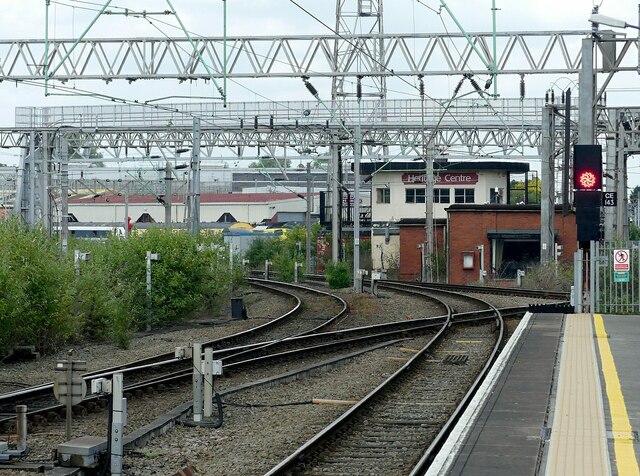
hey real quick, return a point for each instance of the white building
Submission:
(244, 207)
(398, 193)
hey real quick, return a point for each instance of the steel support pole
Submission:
(32, 179)
(547, 208)
(610, 186)
(566, 162)
(45, 182)
(356, 199)
(308, 217)
(126, 210)
(194, 203)
(168, 191)
(429, 214)
(577, 280)
(21, 177)
(335, 205)
(592, 275)
(63, 158)
(622, 223)
(586, 98)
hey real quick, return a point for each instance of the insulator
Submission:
(459, 85)
(553, 97)
(271, 122)
(522, 87)
(359, 88)
(421, 88)
(562, 97)
(546, 97)
(312, 90)
(474, 83)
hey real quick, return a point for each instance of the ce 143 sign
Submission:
(609, 199)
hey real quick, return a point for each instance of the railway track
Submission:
(388, 431)
(326, 348)
(328, 308)
(561, 296)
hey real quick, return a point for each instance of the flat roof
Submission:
(496, 207)
(418, 166)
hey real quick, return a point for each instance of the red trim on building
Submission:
(204, 198)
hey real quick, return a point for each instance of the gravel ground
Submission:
(272, 421)
(261, 307)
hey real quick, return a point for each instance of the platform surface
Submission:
(566, 402)
(505, 438)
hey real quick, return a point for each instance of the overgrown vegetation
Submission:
(36, 290)
(282, 251)
(47, 300)
(549, 277)
(337, 275)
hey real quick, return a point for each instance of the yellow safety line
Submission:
(621, 427)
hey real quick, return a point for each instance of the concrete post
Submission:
(208, 382)
(118, 412)
(197, 382)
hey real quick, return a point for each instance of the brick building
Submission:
(508, 236)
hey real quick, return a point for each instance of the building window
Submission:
(383, 195)
(414, 195)
(441, 195)
(465, 195)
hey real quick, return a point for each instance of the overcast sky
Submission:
(25, 19)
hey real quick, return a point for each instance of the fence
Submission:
(614, 270)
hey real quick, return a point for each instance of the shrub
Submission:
(337, 275)
(36, 290)
(549, 278)
(283, 265)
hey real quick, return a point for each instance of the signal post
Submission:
(587, 186)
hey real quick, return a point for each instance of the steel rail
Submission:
(162, 360)
(343, 422)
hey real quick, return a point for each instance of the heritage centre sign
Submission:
(446, 178)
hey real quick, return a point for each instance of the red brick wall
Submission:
(410, 256)
(468, 229)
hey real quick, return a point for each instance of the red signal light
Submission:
(587, 180)
(587, 167)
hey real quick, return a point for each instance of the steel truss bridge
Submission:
(503, 126)
(428, 54)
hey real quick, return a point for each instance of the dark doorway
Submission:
(517, 255)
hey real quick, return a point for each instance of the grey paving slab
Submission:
(506, 439)
(624, 340)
